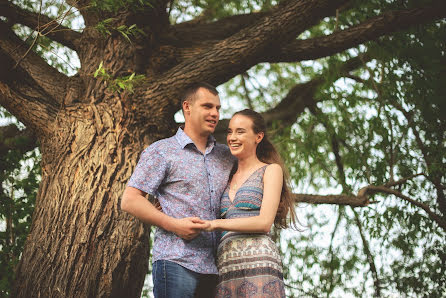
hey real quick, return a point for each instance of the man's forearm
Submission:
(137, 205)
(134, 202)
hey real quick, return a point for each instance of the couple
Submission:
(189, 175)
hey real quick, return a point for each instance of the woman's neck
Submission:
(247, 163)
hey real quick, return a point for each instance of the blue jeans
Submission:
(171, 280)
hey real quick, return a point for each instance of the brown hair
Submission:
(267, 153)
(191, 90)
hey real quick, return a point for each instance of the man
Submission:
(187, 173)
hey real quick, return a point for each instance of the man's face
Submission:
(202, 114)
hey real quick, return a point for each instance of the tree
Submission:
(17, 196)
(135, 60)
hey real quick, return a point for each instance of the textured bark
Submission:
(81, 244)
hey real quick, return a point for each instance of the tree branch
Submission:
(192, 33)
(301, 95)
(245, 88)
(23, 97)
(384, 189)
(41, 23)
(371, 29)
(48, 78)
(239, 52)
(350, 200)
(369, 255)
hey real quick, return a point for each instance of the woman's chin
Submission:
(236, 152)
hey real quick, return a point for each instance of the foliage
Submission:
(106, 27)
(377, 143)
(19, 176)
(120, 84)
(115, 6)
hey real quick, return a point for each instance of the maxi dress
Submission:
(249, 264)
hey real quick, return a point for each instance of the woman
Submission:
(256, 197)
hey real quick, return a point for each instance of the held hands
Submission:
(211, 225)
(189, 227)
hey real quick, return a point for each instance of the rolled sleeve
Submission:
(149, 172)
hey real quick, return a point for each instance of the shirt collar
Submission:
(183, 139)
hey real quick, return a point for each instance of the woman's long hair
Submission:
(267, 153)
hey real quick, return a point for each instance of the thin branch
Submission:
(370, 29)
(369, 255)
(245, 88)
(440, 221)
(330, 252)
(403, 180)
(39, 22)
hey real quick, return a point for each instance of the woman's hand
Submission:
(212, 225)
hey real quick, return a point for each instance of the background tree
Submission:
(376, 137)
(19, 173)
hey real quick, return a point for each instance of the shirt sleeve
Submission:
(149, 172)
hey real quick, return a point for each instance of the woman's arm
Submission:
(272, 188)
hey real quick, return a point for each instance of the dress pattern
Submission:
(249, 265)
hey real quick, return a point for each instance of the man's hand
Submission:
(189, 227)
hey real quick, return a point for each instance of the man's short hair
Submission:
(191, 90)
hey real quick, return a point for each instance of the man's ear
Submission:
(186, 108)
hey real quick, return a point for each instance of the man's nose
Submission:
(215, 113)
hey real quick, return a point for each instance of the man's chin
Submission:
(210, 129)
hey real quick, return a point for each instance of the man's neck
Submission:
(199, 140)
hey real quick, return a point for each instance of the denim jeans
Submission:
(171, 280)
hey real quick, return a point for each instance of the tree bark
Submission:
(81, 244)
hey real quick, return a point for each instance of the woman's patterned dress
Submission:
(249, 265)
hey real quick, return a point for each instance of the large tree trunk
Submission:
(78, 229)
(76, 217)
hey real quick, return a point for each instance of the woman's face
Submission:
(241, 138)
